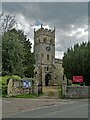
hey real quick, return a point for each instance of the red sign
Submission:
(77, 78)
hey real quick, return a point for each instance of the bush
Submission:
(0, 82)
(4, 81)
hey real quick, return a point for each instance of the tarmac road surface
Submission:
(71, 109)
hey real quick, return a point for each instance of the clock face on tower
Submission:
(48, 48)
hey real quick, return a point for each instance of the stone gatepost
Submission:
(10, 88)
(36, 87)
(64, 87)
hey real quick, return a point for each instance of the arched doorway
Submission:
(47, 78)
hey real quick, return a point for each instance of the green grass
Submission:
(27, 96)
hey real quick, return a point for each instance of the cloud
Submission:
(68, 38)
(59, 13)
(0, 7)
(70, 20)
(59, 54)
(79, 32)
(28, 28)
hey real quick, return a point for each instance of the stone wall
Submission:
(15, 87)
(58, 71)
(77, 92)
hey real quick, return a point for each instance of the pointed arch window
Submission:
(47, 57)
(45, 39)
(47, 68)
(51, 40)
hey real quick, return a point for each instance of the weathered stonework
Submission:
(47, 64)
(58, 71)
(15, 87)
(77, 92)
(47, 68)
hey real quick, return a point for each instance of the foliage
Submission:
(16, 54)
(25, 78)
(76, 61)
(29, 60)
(13, 53)
(28, 96)
(7, 21)
(16, 48)
(17, 59)
(4, 80)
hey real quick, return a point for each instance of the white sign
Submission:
(26, 84)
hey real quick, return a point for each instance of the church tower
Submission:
(44, 51)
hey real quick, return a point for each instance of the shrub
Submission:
(4, 80)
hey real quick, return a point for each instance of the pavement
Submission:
(12, 107)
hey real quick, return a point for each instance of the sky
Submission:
(69, 18)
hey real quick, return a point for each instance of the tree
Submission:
(76, 61)
(16, 54)
(16, 48)
(13, 53)
(29, 57)
(7, 21)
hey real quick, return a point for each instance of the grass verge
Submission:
(26, 96)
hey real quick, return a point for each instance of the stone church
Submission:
(48, 69)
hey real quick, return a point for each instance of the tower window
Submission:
(47, 57)
(51, 40)
(47, 68)
(45, 40)
(44, 68)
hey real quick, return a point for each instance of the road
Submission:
(72, 109)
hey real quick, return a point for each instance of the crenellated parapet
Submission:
(44, 31)
(44, 35)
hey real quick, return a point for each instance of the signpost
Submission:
(78, 79)
(27, 85)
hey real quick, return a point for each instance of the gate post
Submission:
(64, 86)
